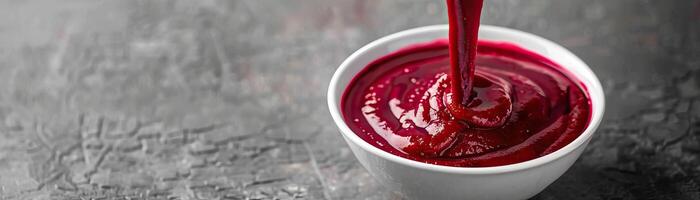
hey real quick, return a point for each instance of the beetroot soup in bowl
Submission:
(530, 109)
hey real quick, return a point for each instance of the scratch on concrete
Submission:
(317, 170)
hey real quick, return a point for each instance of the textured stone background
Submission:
(215, 99)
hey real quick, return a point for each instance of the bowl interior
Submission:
(358, 60)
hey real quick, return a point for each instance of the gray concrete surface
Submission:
(215, 99)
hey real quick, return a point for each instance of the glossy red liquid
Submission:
(465, 102)
(398, 103)
(464, 17)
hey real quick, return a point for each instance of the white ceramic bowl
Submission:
(416, 180)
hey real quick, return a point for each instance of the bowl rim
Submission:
(593, 86)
